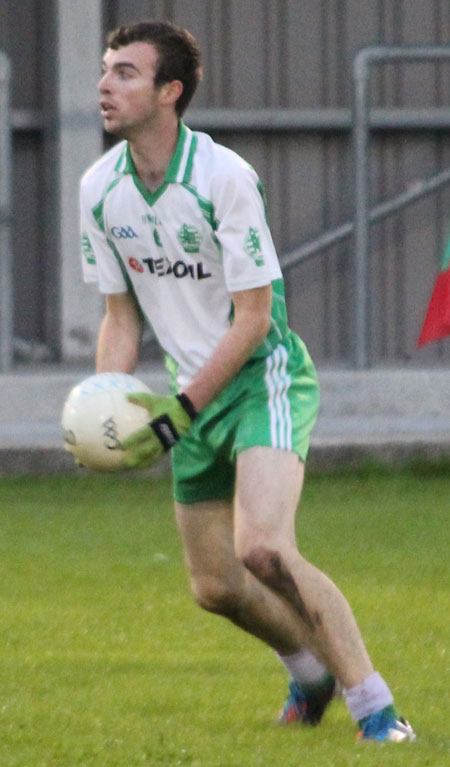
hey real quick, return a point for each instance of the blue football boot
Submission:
(306, 704)
(385, 727)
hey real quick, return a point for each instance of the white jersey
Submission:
(183, 249)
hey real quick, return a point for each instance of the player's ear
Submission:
(171, 92)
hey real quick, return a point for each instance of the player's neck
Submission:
(152, 152)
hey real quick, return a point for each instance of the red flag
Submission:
(437, 320)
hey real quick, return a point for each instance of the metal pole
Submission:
(361, 281)
(6, 317)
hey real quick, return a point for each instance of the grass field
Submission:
(105, 661)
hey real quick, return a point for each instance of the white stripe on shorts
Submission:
(278, 381)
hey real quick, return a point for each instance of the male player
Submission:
(174, 231)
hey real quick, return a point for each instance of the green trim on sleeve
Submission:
(97, 212)
(262, 192)
(87, 249)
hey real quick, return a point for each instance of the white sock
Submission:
(368, 697)
(304, 667)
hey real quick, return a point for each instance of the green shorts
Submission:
(272, 402)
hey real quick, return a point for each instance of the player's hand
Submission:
(171, 417)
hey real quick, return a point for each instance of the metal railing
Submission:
(363, 62)
(382, 210)
(364, 217)
(266, 119)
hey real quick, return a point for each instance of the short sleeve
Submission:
(249, 256)
(99, 263)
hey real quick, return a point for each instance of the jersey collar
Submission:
(180, 167)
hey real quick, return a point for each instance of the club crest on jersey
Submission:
(252, 246)
(189, 238)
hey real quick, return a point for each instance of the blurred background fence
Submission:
(339, 136)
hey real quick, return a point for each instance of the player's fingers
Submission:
(143, 455)
(141, 399)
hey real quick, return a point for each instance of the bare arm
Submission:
(119, 336)
(252, 313)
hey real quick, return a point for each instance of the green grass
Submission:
(105, 661)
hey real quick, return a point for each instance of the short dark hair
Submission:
(179, 56)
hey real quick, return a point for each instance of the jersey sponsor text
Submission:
(162, 267)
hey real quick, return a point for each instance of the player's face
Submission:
(129, 100)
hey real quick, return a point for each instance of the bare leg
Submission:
(268, 490)
(246, 566)
(222, 584)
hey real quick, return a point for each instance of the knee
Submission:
(271, 568)
(216, 595)
(263, 563)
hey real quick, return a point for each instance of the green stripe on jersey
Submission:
(97, 210)
(206, 207)
(122, 163)
(174, 165)
(190, 160)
